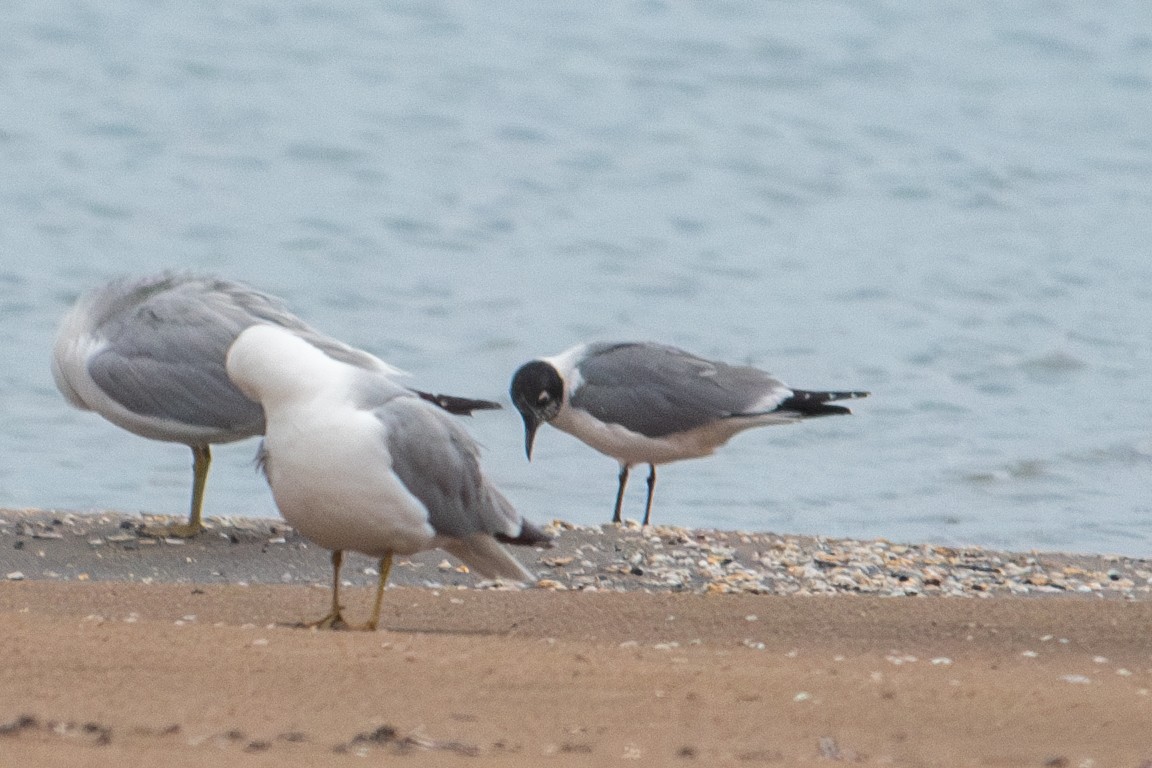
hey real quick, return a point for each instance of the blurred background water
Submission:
(947, 204)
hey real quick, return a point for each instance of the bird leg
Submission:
(201, 461)
(651, 487)
(385, 569)
(620, 492)
(333, 620)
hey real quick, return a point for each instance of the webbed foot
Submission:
(332, 621)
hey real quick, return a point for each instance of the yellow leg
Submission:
(333, 620)
(201, 461)
(385, 569)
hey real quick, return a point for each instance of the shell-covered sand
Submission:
(662, 646)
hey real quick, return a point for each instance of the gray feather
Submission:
(167, 338)
(657, 390)
(438, 462)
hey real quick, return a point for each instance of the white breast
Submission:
(630, 447)
(332, 480)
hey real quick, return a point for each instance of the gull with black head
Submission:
(648, 403)
(147, 354)
(357, 462)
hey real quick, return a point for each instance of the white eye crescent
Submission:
(543, 397)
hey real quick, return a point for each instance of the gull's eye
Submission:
(543, 397)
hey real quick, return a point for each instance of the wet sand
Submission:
(126, 653)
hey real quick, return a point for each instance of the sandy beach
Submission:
(655, 647)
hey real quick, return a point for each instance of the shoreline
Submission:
(109, 546)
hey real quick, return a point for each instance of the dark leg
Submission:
(620, 492)
(337, 563)
(651, 487)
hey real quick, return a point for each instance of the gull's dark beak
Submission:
(531, 424)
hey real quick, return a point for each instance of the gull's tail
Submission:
(488, 557)
(485, 552)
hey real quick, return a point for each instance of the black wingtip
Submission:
(459, 406)
(529, 536)
(810, 404)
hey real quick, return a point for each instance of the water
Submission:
(947, 204)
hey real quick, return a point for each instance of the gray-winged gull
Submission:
(357, 462)
(646, 403)
(147, 354)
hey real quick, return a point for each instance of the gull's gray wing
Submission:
(658, 390)
(166, 340)
(164, 345)
(437, 461)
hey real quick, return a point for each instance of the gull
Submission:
(357, 462)
(147, 354)
(648, 403)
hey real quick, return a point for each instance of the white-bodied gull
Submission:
(148, 355)
(646, 403)
(357, 462)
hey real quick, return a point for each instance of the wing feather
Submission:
(162, 342)
(162, 350)
(438, 462)
(657, 390)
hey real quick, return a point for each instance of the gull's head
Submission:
(269, 363)
(538, 393)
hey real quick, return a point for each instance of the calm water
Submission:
(947, 204)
